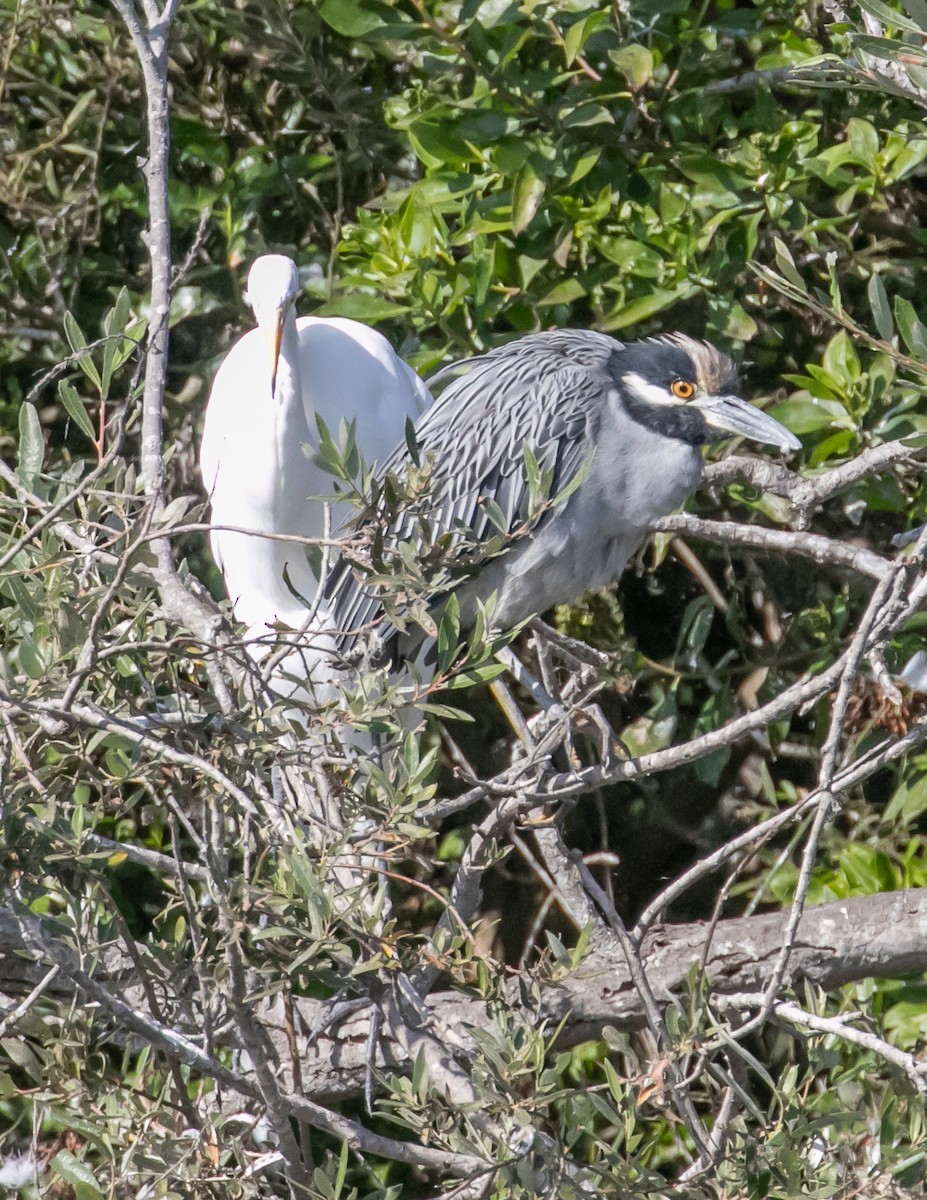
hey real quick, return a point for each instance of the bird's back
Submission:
(350, 372)
(545, 390)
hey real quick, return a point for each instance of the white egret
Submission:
(261, 413)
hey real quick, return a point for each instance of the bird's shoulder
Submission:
(546, 390)
(343, 336)
(537, 357)
(354, 372)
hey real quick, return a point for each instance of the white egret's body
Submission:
(258, 478)
(262, 413)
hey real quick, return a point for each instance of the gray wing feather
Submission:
(546, 391)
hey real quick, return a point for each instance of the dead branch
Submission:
(842, 942)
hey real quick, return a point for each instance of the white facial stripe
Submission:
(650, 393)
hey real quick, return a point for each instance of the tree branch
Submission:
(151, 51)
(883, 936)
(808, 493)
(27, 935)
(835, 1027)
(822, 550)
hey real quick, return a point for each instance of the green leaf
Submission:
(881, 309)
(564, 292)
(835, 446)
(449, 633)
(709, 768)
(361, 307)
(573, 40)
(494, 514)
(30, 658)
(917, 10)
(583, 115)
(694, 628)
(533, 477)
(420, 1072)
(584, 164)
(913, 333)
(342, 1169)
(31, 445)
(412, 442)
(889, 16)
(445, 711)
(74, 407)
(114, 325)
(786, 265)
(635, 62)
(802, 415)
(527, 193)
(473, 676)
(576, 479)
(911, 156)
(78, 343)
(69, 1167)
(349, 18)
(12, 585)
(863, 139)
(71, 120)
(908, 802)
(645, 306)
(841, 360)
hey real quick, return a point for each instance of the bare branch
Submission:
(97, 719)
(834, 1027)
(807, 493)
(151, 50)
(884, 74)
(654, 1017)
(18, 1011)
(883, 935)
(826, 73)
(822, 550)
(868, 936)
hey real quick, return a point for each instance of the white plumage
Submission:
(260, 416)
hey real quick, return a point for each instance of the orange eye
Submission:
(683, 389)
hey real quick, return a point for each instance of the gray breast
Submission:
(635, 478)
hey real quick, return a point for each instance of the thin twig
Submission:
(785, 1010)
(13, 1015)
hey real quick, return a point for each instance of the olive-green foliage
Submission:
(461, 173)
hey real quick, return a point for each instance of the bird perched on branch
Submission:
(261, 426)
(613, 430)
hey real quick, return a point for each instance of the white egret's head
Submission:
(273, 285)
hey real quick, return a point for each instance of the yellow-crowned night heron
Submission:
(631, 416)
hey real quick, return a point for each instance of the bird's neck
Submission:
(288, 387)
(291, 431)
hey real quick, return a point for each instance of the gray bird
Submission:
(629, 419)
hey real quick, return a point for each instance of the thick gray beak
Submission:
(730, 414)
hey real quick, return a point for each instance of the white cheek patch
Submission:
(649, 393)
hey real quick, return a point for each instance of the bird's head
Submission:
(685, 389)
(273, 285)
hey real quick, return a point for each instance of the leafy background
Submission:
(458, 174)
